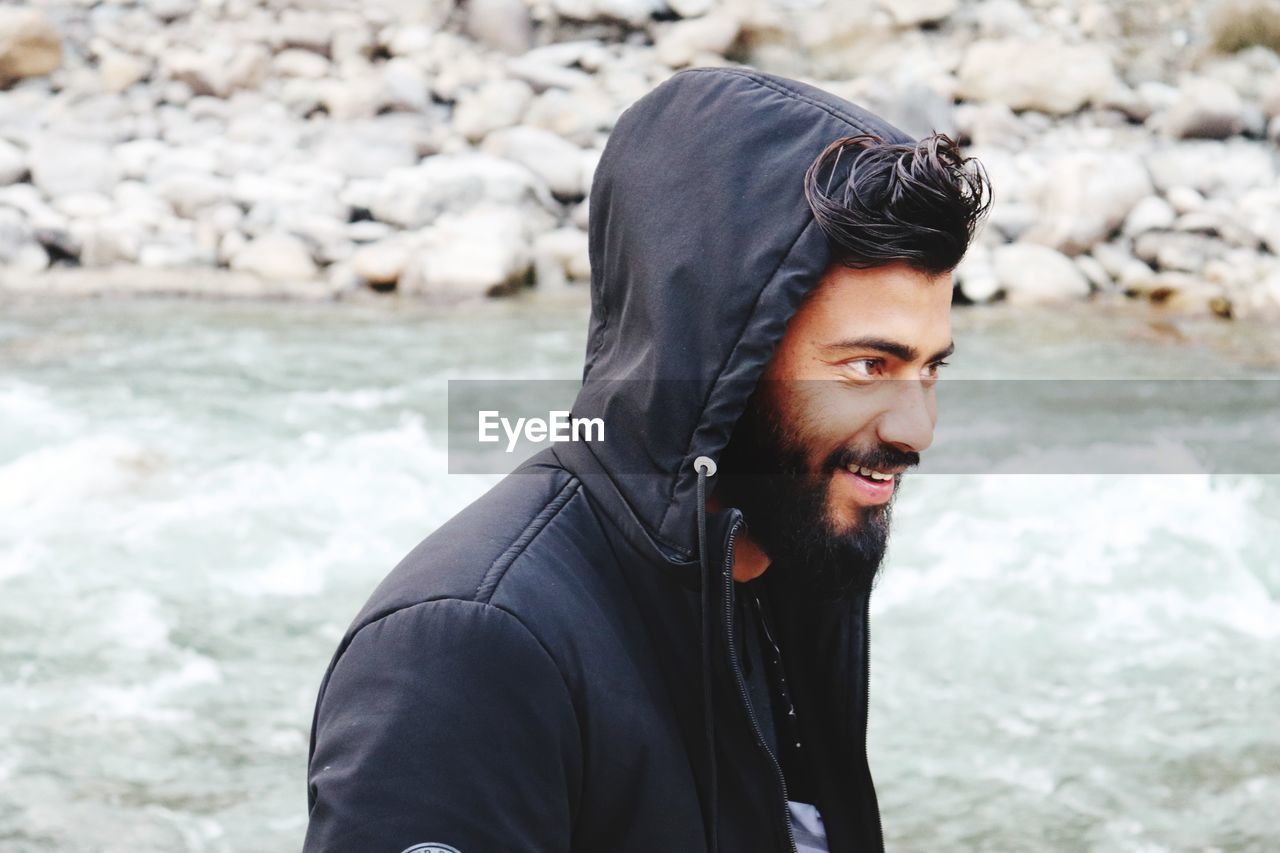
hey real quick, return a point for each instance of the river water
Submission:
(195, 498)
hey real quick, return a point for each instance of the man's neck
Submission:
(749, 559)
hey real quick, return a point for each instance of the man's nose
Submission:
(909, 421)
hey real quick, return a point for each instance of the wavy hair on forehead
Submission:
(918, 203)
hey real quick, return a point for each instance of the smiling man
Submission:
(659, 641)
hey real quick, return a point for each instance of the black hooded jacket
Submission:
(549, 670)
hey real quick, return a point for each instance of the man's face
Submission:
(843, 408)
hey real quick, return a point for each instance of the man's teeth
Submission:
(867, 472)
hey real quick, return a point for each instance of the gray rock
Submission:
(276, 257)
(557, 162)
(29, 44)
(1151, 214)
(1052, 76)
(1030, 274)
(1085, 197)
(478, 253)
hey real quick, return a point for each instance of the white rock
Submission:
(1205, 109)
(690, 8)
(304, 64)
(497, 104)
(416, 196)
(1094, 272)
(1040, 74)
(1183, 199)
(561, 256)
(218, 69)
(190, 191)
(684, 42)
(1151, 214)
(405, 86)
(277, 257)
(976, 277)
(634, 12)
(356, 97)
(590, 159)
(913, 13)
(504, 25)
(381, 264)
(1000, 18)
(27, 199)
(1085, 197)
(1212, 167)
(95, 168)
(29, 44)
(477, 253)
(1031, 274)
(83, 205)
(120, 70)
(13, 163)
(543, 75)
(579, 116)
(171, 10)
(557, 162)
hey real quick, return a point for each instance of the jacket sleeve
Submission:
(443, 723)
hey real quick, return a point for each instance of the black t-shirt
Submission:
(767, 687)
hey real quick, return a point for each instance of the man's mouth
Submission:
(872, 485)
(872, 473)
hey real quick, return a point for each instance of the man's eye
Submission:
(865, 368)
(931, 371)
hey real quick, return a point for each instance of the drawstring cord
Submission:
(706, 467)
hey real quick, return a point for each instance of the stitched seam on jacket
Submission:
(788, 92)
(484, 591)
(755, 308)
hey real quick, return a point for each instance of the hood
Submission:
(702, 247)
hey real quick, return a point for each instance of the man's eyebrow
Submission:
(897, 349)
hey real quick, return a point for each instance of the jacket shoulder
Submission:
(467, 556)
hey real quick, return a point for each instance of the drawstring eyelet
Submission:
(705, 465)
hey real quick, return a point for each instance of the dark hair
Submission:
(913, 202)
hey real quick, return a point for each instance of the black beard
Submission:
(766, 475)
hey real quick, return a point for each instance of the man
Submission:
(605, 654)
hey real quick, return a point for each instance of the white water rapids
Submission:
(195, 499)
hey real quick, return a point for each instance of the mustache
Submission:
(881, 457)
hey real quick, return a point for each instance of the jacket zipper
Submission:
(736, 666)
(866, 718)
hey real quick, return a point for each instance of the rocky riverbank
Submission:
(432, 148)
